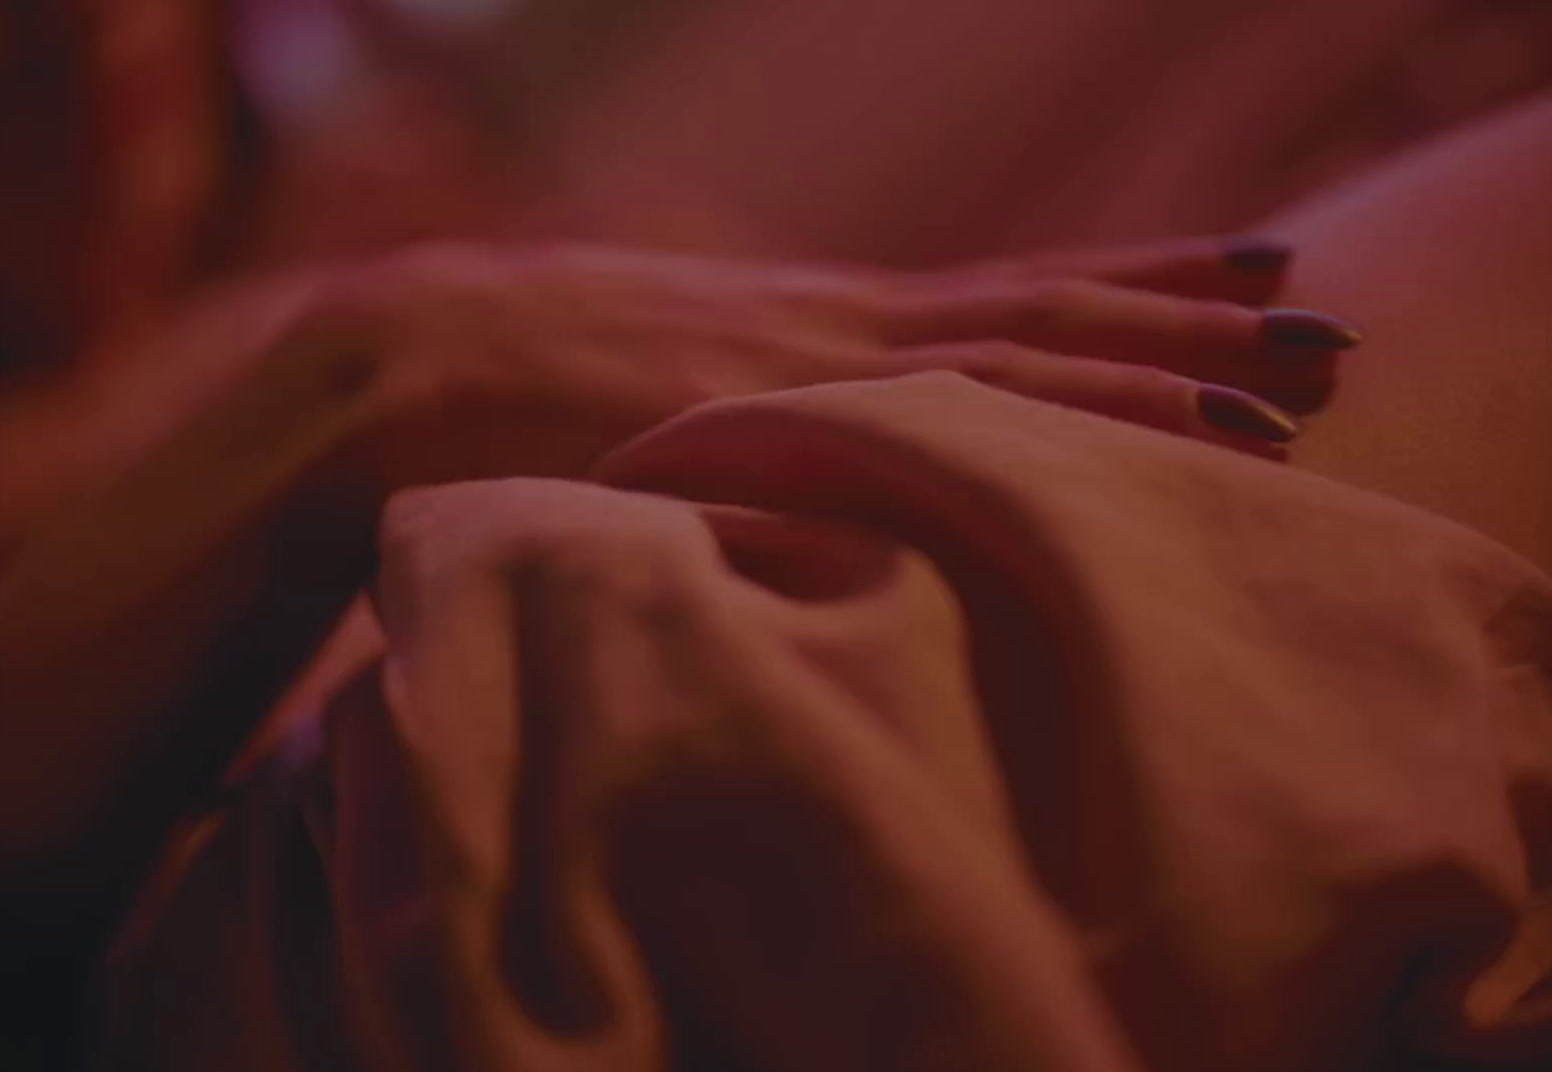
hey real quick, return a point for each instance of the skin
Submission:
(216, 507)
(266, 474)
(1445, 260)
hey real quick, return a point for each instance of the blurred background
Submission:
(150, 148)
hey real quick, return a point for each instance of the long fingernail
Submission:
(1257, 254)
(1237, 411)
(1300, 327)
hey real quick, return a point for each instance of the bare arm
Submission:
(147, 625)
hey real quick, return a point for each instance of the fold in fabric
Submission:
(897, 725)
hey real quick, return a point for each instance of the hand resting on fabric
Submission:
(210, 506)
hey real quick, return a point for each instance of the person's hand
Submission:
(493, 362)
(189, 523)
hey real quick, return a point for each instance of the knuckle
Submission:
(413, 525)
(563, 540)
(435, 535)
(648, 567)
(405, 512)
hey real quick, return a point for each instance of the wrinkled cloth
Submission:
(897, 725)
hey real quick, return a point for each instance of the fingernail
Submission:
(1300, 327)
(1257, 254)
(1237, 411)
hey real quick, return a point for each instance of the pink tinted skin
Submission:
(1443, 256)
(1445, 261)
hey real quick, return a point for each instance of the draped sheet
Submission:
(899, 725)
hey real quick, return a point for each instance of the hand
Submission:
(538, 362)
(176, 520)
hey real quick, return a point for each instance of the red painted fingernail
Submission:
(1238, 411)
(1300, 327)
(1257, 254)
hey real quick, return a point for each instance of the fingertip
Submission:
(1230, 410)
(1265, 256)
(1304, 329)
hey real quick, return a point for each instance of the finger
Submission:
(1285, 355)
(1246, 270)
(1151, 397)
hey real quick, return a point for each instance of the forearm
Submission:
(145, 627)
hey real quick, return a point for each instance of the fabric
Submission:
(899, 725)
